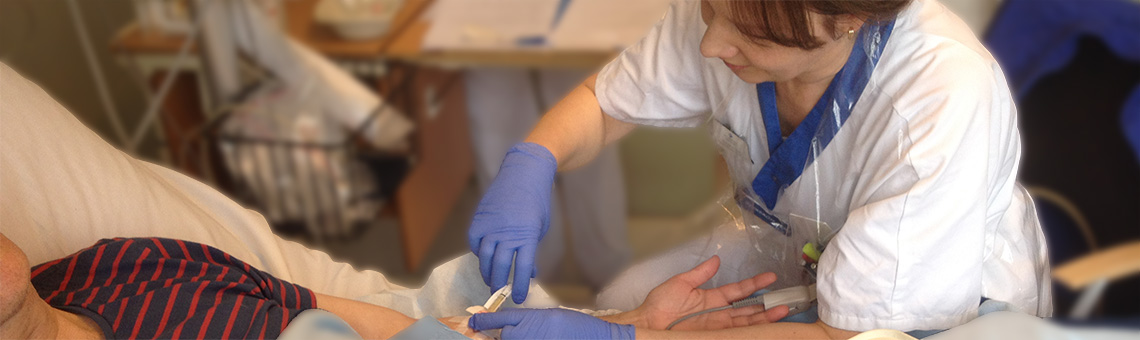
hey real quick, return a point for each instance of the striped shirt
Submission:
(156, 288)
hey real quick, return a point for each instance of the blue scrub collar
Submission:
(788, 157)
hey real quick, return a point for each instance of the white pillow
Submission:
(62, 188)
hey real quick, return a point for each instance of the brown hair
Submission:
(785, 22)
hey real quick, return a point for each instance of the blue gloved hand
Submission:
(554, 323)
(513, 216)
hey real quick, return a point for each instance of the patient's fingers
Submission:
(737, 317)
(485, 254)
(734, 317)
(699, 274)
(743, 288)
(744, 321)
(741, 317)
(745, 311)
(524, 267)
(460, 324)
(771, 315)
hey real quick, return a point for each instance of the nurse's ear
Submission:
(846, 25)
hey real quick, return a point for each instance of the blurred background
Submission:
(369, 128)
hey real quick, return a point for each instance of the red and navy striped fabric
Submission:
(155, 288)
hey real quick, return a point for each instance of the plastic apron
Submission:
(788, 242)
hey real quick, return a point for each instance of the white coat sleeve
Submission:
(658, 81)
(910, 253)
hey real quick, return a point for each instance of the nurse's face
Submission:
(758, 61)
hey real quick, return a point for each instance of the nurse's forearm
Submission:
(576, 129)
(779, 330)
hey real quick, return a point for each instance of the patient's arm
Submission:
(370, 321)
(779, 330)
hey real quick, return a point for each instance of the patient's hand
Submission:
(459, 324)
(679, 296)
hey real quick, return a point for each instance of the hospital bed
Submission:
(63, 188)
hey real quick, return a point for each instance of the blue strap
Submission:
(788, 157)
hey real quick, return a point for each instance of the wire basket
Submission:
(318, 180)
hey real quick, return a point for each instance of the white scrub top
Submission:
(921, 177)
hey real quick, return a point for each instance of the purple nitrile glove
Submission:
(512, 217)
(553, 323)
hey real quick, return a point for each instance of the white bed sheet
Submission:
(62, 188)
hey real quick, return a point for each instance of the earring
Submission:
(851, 31)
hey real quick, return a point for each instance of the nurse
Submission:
(880, 131)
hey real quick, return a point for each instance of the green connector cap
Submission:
(811, 251)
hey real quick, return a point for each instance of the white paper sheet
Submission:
(487, 24)
(500, 24)
(606, 24)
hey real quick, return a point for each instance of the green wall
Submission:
(668, 172)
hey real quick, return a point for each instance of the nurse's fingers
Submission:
(524, 268)
(506, 317)
(501, 265)
(473, 241)
(744, 288)
(486, 254)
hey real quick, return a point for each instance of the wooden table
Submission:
(442, 153)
